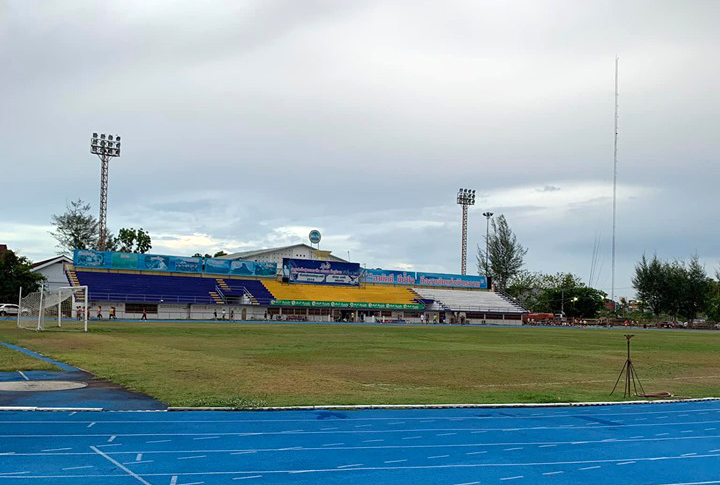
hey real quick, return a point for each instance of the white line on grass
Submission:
(121, 466)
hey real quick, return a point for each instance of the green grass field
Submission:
(299, 364)
(12, 360)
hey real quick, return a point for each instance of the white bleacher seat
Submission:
(470, 300)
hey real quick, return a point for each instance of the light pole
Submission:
(465, 197)
(105, 148)
(487, 215)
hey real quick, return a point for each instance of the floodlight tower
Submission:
(487, 215)
(105, 148)
(465, 197)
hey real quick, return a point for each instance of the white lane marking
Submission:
(291, 448)
(446, 434)
(191, 457)
(24, 376)
(714, 451)
(641, 419)
(512, 478)
(111, 439)
(321, 429)
(363, 426)
(427, 421)
(437, 456)
(477, 432)
(173, 480)
(6, 474)
(397, 422)
(411, 438)
(57, 449)
(77, 467)
(709, 429)
(243, 452)
(138, 457)
(591, 467)
(686, 431)
(546, 446)
(138, 462)
(689, 454)
(553, 473)
(207, 438)
(333, 444)
(91, 424)
(625, 463)
(372, 441)
(109, 444)
(121, 466)
(476, 453)
(395, 461)
(158, 441)
(350, 466)
(636, 437)
(513, 449)
(467, 483)
(662, 434)
(74, 412)
(245, 478)
(192, 483)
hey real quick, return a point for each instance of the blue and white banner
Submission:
(88, 258)
(451, 280)
(389, 277)
(240, 268)
(321, 272)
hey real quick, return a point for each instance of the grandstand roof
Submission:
(47, 262)
(260, 252)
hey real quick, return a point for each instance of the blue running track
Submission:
(647, 444)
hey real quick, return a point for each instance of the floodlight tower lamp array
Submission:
(105, 147)
(465, 198)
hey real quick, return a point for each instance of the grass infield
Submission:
(12, 360)
(242, 365)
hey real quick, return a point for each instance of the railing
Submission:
(145, 298)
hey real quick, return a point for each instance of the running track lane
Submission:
(651, 444)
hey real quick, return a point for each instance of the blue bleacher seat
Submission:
(156, 288)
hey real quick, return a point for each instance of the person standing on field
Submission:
(144, 315)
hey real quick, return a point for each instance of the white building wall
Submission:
(54, 276)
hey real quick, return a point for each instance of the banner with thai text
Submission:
(321, 272)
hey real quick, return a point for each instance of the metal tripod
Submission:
(632, 381)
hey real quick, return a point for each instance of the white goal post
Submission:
(64, 307)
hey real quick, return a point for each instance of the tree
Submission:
(76, 228)
(219, 253)
(505, 258)
(132, 241)
(16, 272)
(649, 281)
(697, 289)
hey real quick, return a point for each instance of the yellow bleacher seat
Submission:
(370, 294)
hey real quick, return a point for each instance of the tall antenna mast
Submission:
(615, 161)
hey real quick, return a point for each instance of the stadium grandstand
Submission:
(307, 285)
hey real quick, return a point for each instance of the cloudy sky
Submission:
(247, 123)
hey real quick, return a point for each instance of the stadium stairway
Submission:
(72, 277)
(221, 283)
(216, 298)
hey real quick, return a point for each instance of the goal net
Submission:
(64, 307)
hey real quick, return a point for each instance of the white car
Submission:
(11, 309)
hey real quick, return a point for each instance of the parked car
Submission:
(11, 309)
